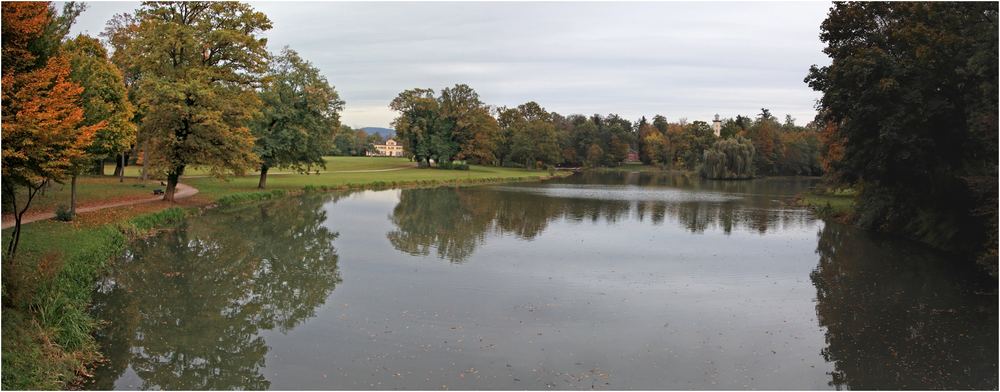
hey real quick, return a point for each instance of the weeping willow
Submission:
(729, 159)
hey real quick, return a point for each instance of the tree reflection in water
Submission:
(185, 309)
(899, 317)
(454, 221)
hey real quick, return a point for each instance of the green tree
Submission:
(692, 142)
(344, 141)
(732, 127)
(419, 119)
(301, 109)
(532, 135)
(105, 104)
(912, 90)
(200, 63)
(729, 159)
(119, 34)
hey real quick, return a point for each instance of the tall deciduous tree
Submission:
(120, 35)
(419, 119)
(41, 129)
(200, 63)
(473, 127)
(301, 111)
(532, 135)
(912, 94)
(105, 104)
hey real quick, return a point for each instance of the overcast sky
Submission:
(682, 60)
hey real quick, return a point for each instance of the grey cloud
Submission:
(679, 59)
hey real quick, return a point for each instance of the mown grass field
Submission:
(332, 164)
(102, 189)
(214, 187)
(46, 288)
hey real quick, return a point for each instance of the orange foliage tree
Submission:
(41, 111)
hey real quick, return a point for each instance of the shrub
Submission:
(246, 197)
(143, 224)
(453, 165)
(64, 214)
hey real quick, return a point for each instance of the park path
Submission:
(183, 191)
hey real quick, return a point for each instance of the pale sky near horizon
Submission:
(678, 59)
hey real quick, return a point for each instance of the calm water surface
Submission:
(598, 281)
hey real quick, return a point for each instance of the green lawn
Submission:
(94, 189)
(332, 164)
(837, 203)
(214, 187)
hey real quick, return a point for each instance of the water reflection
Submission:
(187, 306)
(453, 222)
(899, 317)
(615, 281)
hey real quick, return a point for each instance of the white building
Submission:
(390, 149)
(717, 126)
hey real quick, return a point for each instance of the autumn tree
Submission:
(41, 129)
(301, 110)
(105, 105)
(656, 148)
(200, 63)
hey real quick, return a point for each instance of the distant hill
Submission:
(385, 133)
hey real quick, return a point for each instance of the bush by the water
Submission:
(729, 159)
(453, 165)
(246, 197)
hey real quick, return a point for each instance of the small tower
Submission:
(717, 126)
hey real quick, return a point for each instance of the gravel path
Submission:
(183, 191)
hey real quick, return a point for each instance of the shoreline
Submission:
(39, 353)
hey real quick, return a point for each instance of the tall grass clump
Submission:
(247, 197)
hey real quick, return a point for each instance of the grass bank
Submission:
(837, 204)
(47, 287)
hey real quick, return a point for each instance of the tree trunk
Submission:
(118, 166)
(121, 174)
(145, 171)
(172, 178)
(263, 177)
(99, 167)
(72, 196)
(15, 235)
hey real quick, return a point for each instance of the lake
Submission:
(596, 281)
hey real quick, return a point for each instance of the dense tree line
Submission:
(910, 112)
(348, 141)
(457, 125)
